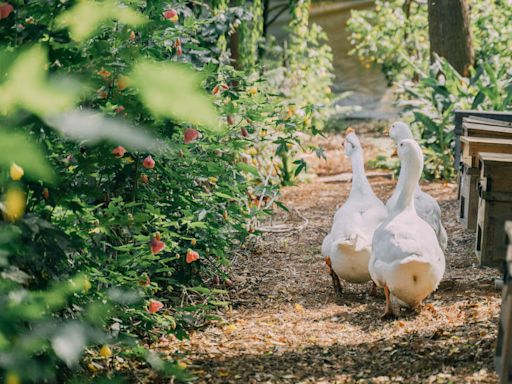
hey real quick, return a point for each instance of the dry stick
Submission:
(283, 228)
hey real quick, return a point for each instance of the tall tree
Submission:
(450, 33)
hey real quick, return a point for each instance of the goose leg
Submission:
(388, 312)
(335, 279)
(373, 291)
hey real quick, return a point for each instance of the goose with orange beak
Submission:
(426, 206)
(347, 248)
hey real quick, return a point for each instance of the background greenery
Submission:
(430, 92)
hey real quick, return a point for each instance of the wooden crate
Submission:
(503, 358)
(461, 115)
(494, 207)
(469, 174)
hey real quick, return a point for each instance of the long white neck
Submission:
(360, 184)
(407, 184)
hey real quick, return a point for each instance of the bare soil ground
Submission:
(285, 324)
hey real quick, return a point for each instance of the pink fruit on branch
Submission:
(192, 256)
(5, 10)
(155, 306)
(148, 162)
(119, 151)
(190, 135)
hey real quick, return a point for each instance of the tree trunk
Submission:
(450, 33)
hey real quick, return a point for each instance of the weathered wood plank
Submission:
(503, 358)
(494, 208)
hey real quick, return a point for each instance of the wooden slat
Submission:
(504, 345)
(472, 146)
(486, 121)
(480, 130)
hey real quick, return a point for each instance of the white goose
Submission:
(347, 248)
(406, 260)
(426, 206)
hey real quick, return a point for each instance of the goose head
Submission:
(351, 143)
(410, 155)
(400, 131)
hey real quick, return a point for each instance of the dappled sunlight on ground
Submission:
(286, 325)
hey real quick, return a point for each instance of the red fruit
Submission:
(216, 280)
(156, 244)
(244, 132)
(45, 193)
(224, 86)
(144, 178)
(145, 282)
(179, 51)
(192, 256)
(119, 109)
(154, 306)
(230, 119)
(190, 135)
(148, 162)
(5, 10)
(228, 283)
(119, 151)
(215, 90)
(171, 14)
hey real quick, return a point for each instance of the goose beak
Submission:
(349, 130)
(394, 153)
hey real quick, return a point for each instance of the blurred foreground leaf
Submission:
(92, 127)
(26, 86)
(173, 91)
(17, 148)
(85, 17)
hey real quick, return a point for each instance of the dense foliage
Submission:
(430, 92)
(134, 158)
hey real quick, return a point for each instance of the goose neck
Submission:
(360, 183)
(407, 185)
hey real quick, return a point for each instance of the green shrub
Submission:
(129, 173)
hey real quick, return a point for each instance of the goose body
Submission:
(426, 206)
(348, 245)
(407, 260)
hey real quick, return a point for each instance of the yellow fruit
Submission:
(16, 172)
(105, 351)
(213, 179)
(252, 151)
(193, 242)
(253, 91)
(181, 364)
(298, 307)
(14, 204)
(12, 378)
(87, 285)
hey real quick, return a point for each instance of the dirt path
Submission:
(286, 326)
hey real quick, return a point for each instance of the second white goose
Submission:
(426, 206)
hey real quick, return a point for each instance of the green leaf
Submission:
(247, 168)
(17, 148)
(85, 17)
(26, 85)
(173, 90)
